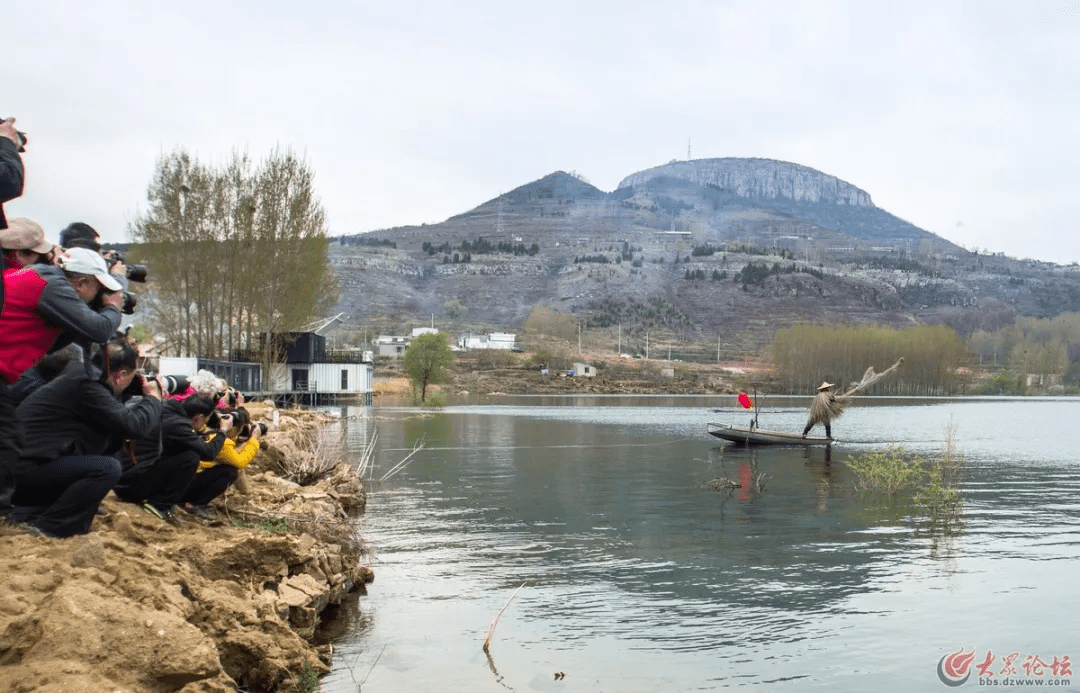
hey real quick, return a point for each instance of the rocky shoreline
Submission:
(196, 607)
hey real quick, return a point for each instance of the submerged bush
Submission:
(933, 484)
(886, 471)
(436, 400)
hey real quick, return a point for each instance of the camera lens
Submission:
(129, 303)
(175, 384)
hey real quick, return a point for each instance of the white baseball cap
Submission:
(86, 261)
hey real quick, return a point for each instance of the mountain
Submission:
(791, 190)
(736, 247)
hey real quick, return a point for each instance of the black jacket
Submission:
(11, 175)
(173, 436)
(76, 415)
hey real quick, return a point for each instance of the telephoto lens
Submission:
(136, 273)
(175, 384)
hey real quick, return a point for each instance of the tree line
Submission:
(807, 354)
(1044, 347)
(234, 251)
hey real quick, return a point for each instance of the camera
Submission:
(129, 303)
(174, 384)
(247, 430)
(233, 397)
(128, 307)
(22, 138)
(135, 273)
(217, 418)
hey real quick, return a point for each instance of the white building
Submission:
(493, 340)
(324, 378)
(390, 345)
(584, 370)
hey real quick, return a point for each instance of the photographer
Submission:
(24, 244)
(41, 306)
(44, 303)
(214, 477)
(73, 425)
(162, 465)
(11, 166)
(79, 234)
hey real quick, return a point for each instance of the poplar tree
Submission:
(234, 253)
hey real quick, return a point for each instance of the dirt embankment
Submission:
(143, 605)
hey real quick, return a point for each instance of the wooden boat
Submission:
(763, 436)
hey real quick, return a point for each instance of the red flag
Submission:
(744, 399)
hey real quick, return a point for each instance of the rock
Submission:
(169, 652)
(758, 178)
(141, 606)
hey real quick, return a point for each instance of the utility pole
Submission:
(646, 346)
(620, 339)
(579, 338)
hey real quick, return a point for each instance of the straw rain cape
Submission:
(827, 407)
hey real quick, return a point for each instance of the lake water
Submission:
(639, 577)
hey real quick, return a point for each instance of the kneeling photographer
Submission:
(161, 465)
(73, 426)
(216, 476)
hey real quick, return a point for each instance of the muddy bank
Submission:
(142, 605)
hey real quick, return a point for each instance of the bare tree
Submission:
(234, 252)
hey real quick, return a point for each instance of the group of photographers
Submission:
(77, 416)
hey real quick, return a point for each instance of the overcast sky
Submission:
(960, 117)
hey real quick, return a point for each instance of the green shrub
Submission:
(436, 400)
(307, 681)
(886, 471)
(933, 483)
(1001, 383)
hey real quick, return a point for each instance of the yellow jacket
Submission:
(230, 455)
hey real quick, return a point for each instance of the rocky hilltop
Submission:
(728, 247)
(764, 179)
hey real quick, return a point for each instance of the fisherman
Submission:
(825, 407)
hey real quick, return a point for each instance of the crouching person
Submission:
(163, 464)
(214, 477)
(73, 425)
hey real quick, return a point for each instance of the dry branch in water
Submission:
(367, 458)
(401, 465)
(491, 631)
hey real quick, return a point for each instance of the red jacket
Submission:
(39, 305)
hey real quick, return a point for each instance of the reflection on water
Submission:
(640, 576)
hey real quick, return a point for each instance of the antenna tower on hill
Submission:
(688, 149)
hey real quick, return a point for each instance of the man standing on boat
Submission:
(825, 407)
